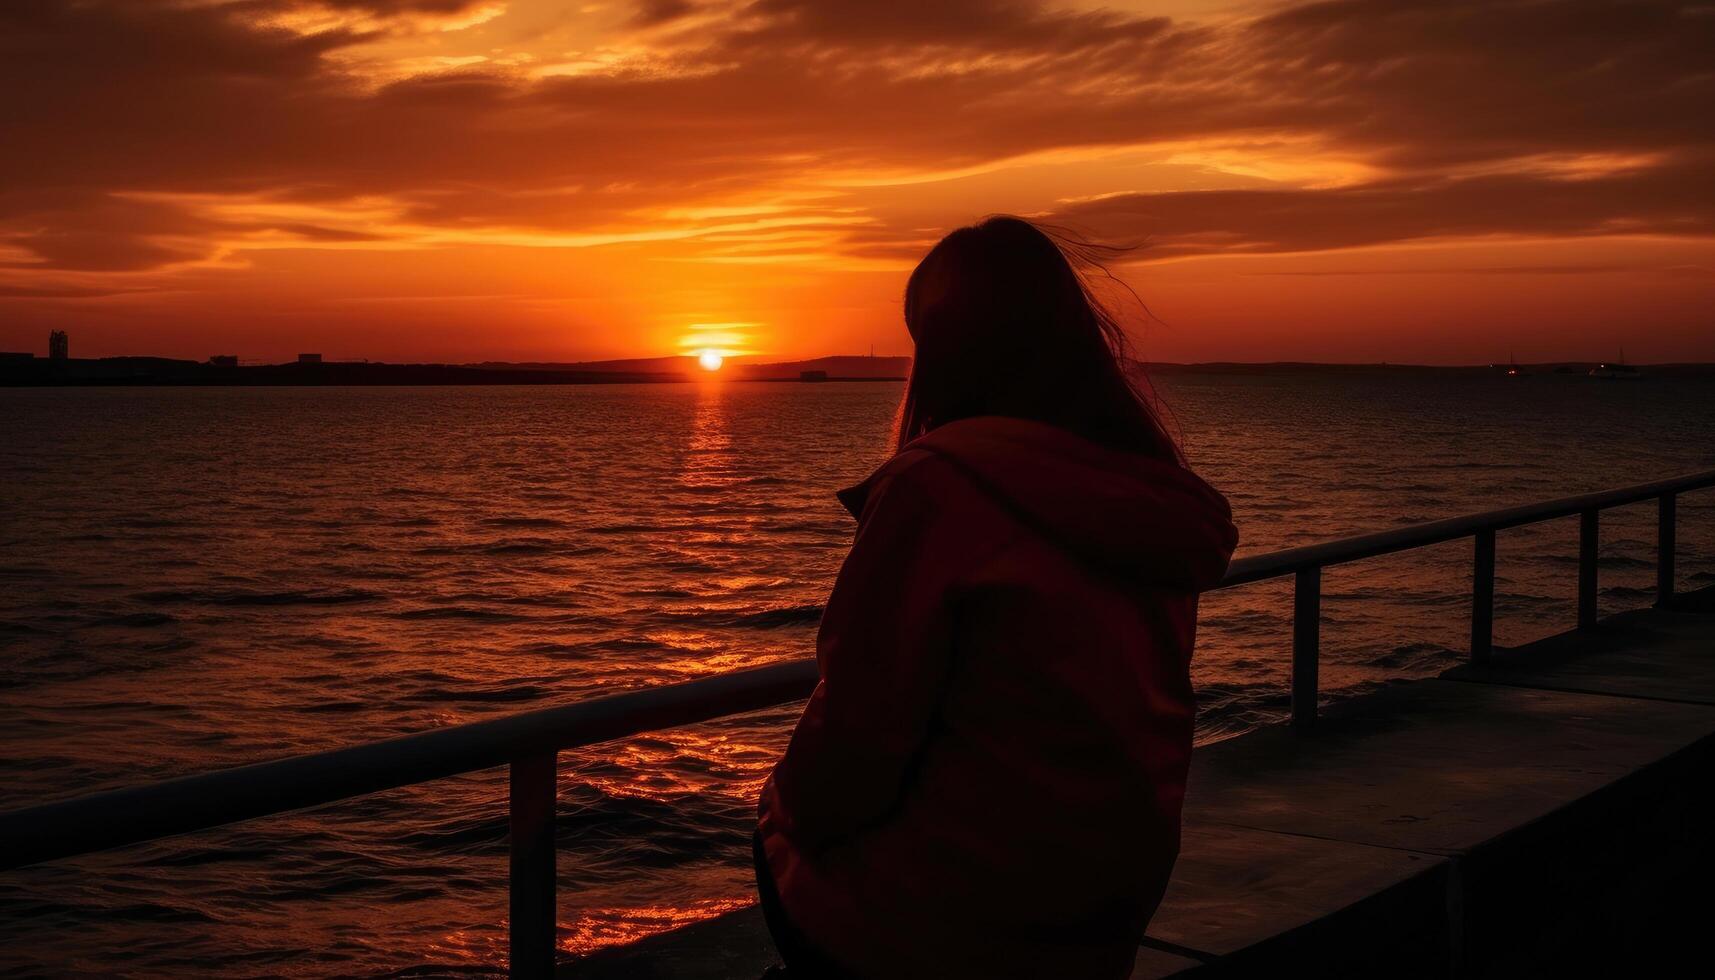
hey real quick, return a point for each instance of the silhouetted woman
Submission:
(987, 781)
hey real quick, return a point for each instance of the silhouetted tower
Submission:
(58, 347)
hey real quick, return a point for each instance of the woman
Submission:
(987, 780)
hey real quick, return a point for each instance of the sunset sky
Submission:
(1443, 181)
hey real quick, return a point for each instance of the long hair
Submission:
(1005, 323)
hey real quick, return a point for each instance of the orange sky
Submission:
(1402, 180)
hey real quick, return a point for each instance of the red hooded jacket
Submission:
(987, 780)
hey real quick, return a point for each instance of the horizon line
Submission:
(748, 360)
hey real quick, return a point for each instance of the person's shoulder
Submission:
(915, 479)
(911, 463)
(918, 470)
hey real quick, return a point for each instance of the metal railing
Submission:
(1305, 565)
(529, 742)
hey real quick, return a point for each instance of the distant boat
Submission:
(1616, 370)
(1512, 368)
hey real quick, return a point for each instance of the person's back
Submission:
(988, 780)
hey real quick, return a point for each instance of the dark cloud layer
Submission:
(1675, 200)
(983, 25)
(1470, 109)
(1430, 82)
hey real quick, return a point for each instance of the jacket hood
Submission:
(1150, 520)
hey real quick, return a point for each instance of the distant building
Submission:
(812, 375)
(223, 360)
(309, 358)
(59, 348)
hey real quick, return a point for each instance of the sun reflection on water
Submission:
(595, 929)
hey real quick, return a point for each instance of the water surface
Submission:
(197, 578)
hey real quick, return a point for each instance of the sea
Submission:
(196, 578)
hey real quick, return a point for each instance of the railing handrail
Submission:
(529, 740)
(1361, 546)
(132, 815)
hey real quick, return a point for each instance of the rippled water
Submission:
(195, 578)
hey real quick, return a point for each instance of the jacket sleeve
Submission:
(885, 655)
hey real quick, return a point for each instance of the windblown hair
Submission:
(1005, 323)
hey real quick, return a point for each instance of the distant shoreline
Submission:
(17, 371)
(27, 371)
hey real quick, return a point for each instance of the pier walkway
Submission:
(1548, 810)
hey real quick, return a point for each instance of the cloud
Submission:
(986, 25)
(1470, 118)
(1674, 200)
(64, 292)
(311, 16)
(1431, 83)
(1694, 272)
(387, 7)
(651, 13)
(94, 231)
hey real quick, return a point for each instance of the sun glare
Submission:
(710, 360)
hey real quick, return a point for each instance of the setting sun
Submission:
(508, 180)
(710, 360)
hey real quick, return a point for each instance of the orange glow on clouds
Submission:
(532, 180)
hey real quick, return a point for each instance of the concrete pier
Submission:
(1547, 812)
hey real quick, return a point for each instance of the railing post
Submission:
(1664, 548)
(1306, 645)
(532, 891)
(1483, 596)
(1587, 536)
